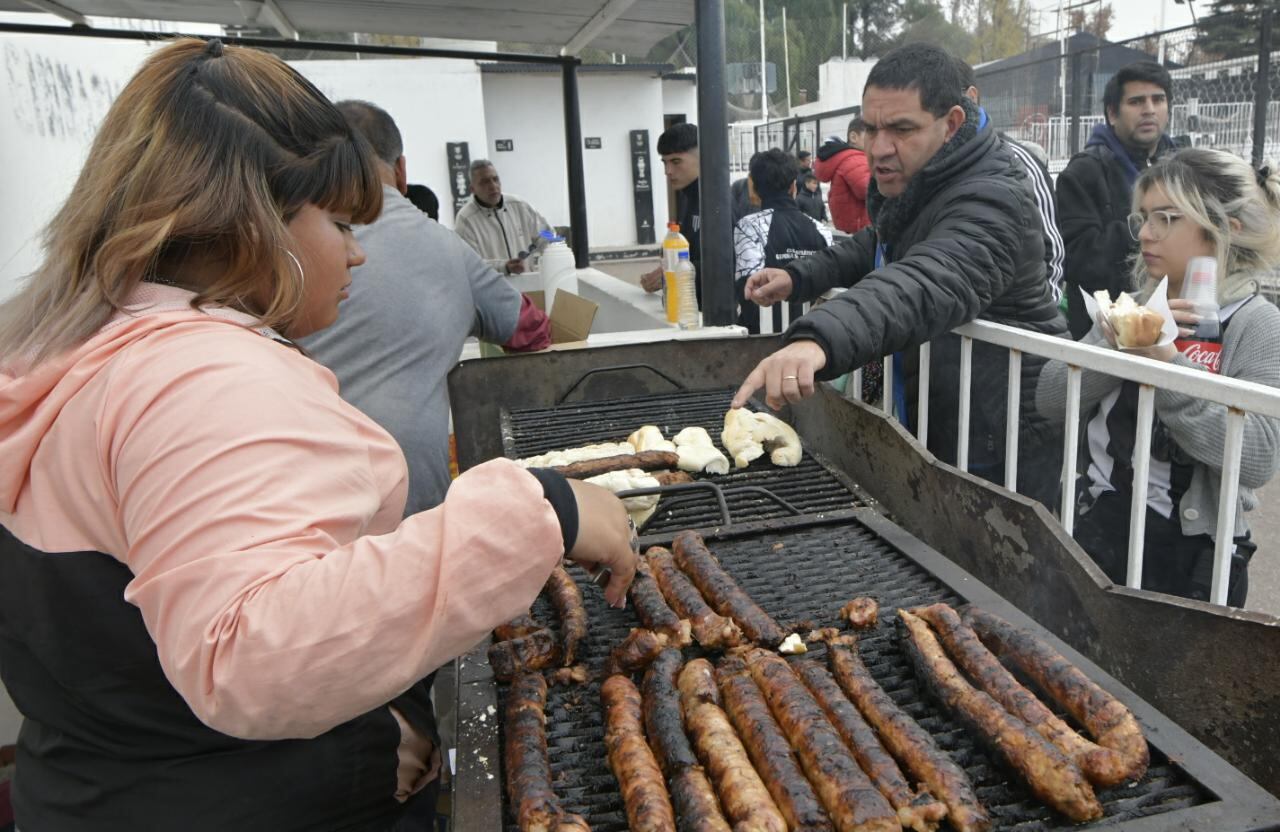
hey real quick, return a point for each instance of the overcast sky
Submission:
(1132, 17)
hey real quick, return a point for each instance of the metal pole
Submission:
(716, 266)
(1262, 90)
(786, 59)
(573, 156)
(844, 31)
(1077, 90)
(1062, 65)
(764, 95)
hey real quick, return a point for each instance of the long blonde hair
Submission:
(1211, 188)
(203, 158)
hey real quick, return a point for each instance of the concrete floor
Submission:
(1264, 571)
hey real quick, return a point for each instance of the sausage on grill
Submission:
(747, 803)
(1110, 723)
(532, 652)
(712, 630)
(521, 625)
(644, 460)
(692, 795)
(643, 793)
(861, 613)
(722, 591)
(920, 812)
(1053, 778)
(852, 802)
(567, 599)
(769, 749)
(906, 740)
(636, 651)
(672, 477)
(528, 768)
(1100, 765)
(653, 611)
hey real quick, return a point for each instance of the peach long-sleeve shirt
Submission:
(261, 518)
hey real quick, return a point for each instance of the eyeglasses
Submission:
(1160, 222)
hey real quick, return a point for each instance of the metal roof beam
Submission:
(69, 15)
(279, 21)
(599, 21)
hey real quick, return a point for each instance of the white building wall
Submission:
(680, 98)
(433, 101)
(528, 109)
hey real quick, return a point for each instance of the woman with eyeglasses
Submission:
(1198, 203)
(213, 614)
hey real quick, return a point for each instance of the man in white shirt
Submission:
(500, 227)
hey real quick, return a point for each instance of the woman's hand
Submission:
(1184, 315)
(606, 539)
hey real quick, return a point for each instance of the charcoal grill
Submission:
(802, 570)
(1212, 671)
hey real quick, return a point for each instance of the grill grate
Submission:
(811, 486)
(803, 577)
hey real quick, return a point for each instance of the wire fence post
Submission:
(1262, 90)
(1073, 145)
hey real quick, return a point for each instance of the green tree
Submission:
(1231, 30)
(1003, 29)
(924, 21)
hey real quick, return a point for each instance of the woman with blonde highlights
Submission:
(1198, 203)
(212, 614)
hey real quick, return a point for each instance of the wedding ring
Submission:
(790, 378)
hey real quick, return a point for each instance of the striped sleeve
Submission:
(1043, 190)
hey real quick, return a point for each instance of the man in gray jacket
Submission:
(955, 236)
(500, 227)
(412, 305)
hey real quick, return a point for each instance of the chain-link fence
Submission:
(1225, 76)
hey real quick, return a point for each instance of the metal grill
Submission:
(811, 487)
(802, 571)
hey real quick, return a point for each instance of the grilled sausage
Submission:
(747, 803)
(672, 477)
(852, 802)
(517, 627)
(643, 793)
(567, 599)
(1110, 723)
(915, 811)
(692, 795)
(712, 631)
(722, 591)
(636, 651)
(769, 749)
(968, 652)
(906, 740)
(528, 769)
(576, 675)
(653, 611)
(532, 652)
(861, 613)
(1053, 778)
(644, 460)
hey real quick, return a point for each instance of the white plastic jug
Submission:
(559, 271)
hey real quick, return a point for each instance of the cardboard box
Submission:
(571, 319)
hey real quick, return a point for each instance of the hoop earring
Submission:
(302, 275)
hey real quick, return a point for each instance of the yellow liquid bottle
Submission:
(672, 245)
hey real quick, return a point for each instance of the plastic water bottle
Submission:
(559, 270)
(672, 245)
(686, 290)
(1200, 286)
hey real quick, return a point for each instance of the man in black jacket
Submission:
(955, 236)
(776, 235)
(1095, 191)
(678, 147)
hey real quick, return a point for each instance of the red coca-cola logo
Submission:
(1205, 354)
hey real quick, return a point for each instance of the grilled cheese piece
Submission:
(649, 438)
(699, 453)
(749, 435)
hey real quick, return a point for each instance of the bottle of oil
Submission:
(686, 290)
(672, 245)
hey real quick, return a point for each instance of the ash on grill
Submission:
(806, 576)
(810, 487)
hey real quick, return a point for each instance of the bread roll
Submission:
(1134, 325)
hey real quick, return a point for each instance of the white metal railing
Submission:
(1239, 397)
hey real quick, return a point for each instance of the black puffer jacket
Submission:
(962, 242)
